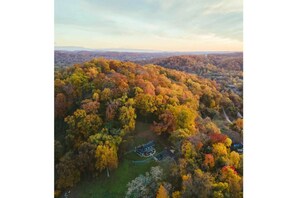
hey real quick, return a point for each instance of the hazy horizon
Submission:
(168, 25)
(81, 48)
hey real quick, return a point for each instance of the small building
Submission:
(238, 147)
(165, 154)
(146, 150)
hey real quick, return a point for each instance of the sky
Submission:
(167, 25)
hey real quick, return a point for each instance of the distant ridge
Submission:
(72, 48)
(76, 48)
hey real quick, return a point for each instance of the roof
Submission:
(150, 143)
(145, 147)
(238, 145)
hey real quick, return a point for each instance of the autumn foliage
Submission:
(162, 192)
(98, 103)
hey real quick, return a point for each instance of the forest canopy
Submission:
(98, 103)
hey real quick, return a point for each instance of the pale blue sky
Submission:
(175, 25)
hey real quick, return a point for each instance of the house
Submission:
(146, 150)
(238, 147)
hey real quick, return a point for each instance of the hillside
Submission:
(225, 69)
(64, 58)
(232, 61)
(68, 58)
(97, 105)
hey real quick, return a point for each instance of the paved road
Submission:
(227, 118)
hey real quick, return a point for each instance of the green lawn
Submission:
(116, 184)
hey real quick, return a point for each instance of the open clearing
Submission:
(116, 184)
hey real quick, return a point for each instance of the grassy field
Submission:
(116, 184)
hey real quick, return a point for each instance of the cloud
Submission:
(225, 7)
(174, 19)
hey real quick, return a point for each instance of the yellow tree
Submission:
(228, 142)
(189, 152)
(219, 149)
(107, 157)
(145, 103)
(127, 118)
(184, 118)
(176, 194)
(235, 159)
(105, 94)
(238, 125)
(92, 72)
(220, 153)
(162, 192)
(230, 176)
(96, 96)
(80, 126)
